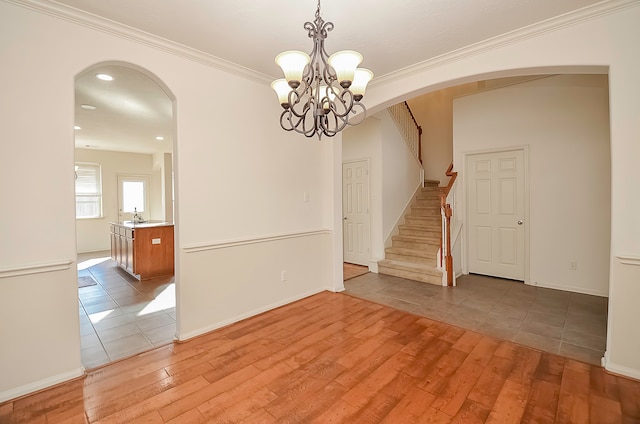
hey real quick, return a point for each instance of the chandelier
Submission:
(320, 93)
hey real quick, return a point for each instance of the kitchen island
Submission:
(145, 250)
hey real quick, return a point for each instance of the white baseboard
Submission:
(373, 265)
(619, 369)
(40, 384)
(574, 289)
(191, 334)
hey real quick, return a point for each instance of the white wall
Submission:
(434, 113)
(401, 175)
(599, 39)
(93, 234)
(238, 187)
(564, 120)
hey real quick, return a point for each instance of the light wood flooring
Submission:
(350, 271)
(334, 358)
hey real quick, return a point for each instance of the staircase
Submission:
(413, 252)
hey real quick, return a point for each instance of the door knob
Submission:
(345, 218)
(520, 222)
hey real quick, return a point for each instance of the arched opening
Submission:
(125, 235)
(570, 177)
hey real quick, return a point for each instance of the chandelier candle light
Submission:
(320, 92)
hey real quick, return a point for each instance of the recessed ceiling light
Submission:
(77, 127)
(159, 138)
(88, 107)
(104, 77)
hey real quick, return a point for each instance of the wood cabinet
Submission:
(143, 250)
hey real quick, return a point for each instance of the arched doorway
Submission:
(124, 145)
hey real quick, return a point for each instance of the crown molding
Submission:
(107, 26)
(89, 20)
(549, 25)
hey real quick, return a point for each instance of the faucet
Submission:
(137, 218)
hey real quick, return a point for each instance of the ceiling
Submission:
(250, 33)
(130, 112)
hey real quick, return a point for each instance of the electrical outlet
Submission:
(573, 265)
(283, 276)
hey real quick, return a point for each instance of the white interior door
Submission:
(355, 208)
(133, 195)
(496, 213)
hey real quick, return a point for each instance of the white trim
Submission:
(182, 337)
(620, 369)
(518, 35)
(574, 289)
(243, 242)
(41, 384)
(629, 259)
(373, 264)
(35, 268)
(126, 32)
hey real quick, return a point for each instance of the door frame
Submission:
(368, 161)
(120, 177)
(465, 186)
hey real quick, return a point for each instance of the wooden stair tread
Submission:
(435, 227)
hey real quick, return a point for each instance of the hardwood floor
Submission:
(333, 358)
(350, 271)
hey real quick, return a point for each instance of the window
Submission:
(88, 191)
(133, 196)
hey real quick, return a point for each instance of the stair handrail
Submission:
(445, 235)
(408, 127)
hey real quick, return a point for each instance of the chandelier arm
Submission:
(361, 117)
(295, 97)
(341, 106)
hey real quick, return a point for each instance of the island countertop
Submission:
(146, 224)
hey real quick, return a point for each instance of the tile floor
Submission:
(570, 324)
(121, 316)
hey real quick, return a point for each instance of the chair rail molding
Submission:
(36, 268)
(629, 259)
(241, 242)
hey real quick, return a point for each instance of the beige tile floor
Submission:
(570, 324)
(121, 316)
